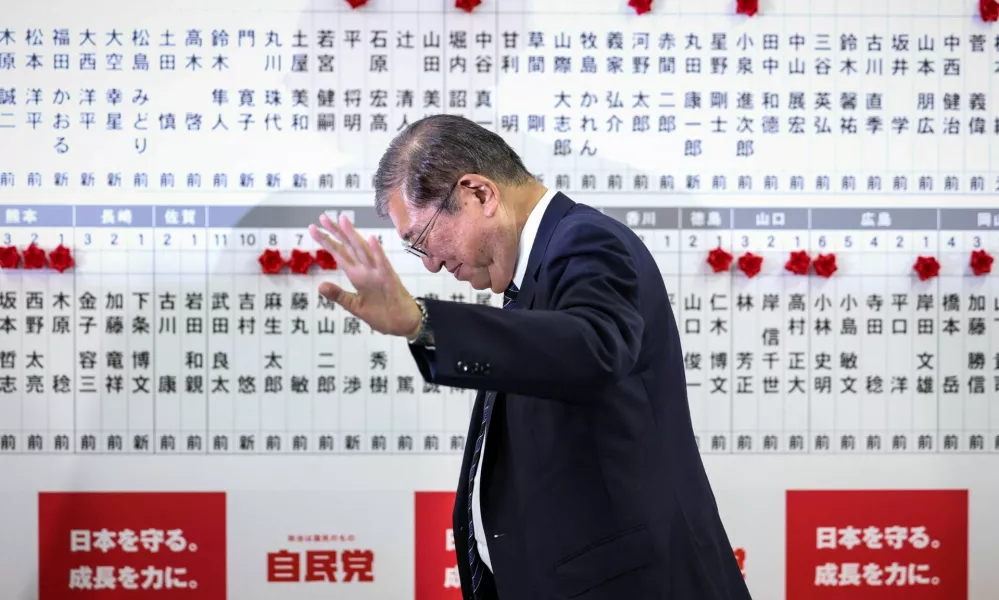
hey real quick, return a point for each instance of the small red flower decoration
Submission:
(989, 9)
(825, 265)
(750, 264)
(61, 259)
(926, 267)
(34, 257)
(355, 4)
(300, 261)
(325, 260)
(467, 5)
(641, 6)
(747, 7)
(9, 257)
(798, 263)
(981, 262)
(719, 260)
(271, 262)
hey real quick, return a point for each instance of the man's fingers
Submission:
(381, 259)
(337, 294)
(343, 237)
(321, 237)
(361, 250)
(327, 222)
(326, 241)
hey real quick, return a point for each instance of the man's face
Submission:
(465, 243)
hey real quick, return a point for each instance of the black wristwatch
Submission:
(424, 336)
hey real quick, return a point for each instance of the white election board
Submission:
(173, 148)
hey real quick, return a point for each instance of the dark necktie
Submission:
(474, 562)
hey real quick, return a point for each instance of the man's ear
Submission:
(484, 191)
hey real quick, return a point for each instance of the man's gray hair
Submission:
(426, 159)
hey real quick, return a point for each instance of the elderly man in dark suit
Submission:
(581, 476)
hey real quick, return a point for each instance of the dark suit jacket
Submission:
(592, 484)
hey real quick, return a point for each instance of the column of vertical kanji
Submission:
(810, 309)
(114, 242)
(875, 101)
(959, 304)
(964, 53)
(377, 56)
(12, 319)
(301, 329)
(241, 226)
(757, 400)
(353, 369)
(822, 331)
(429, 45)
(508, 96)
(457, 66)
(718, 291)
(645, 140)
(903, 335)
(249, 262)
(221, 251)
(924, 368)
(35, 353)
(140, 310)
(115, 238)
(273, 365)
(327, 365)
(751, 275)
(327, 359)
(167, 354)
(354, 104)
(869, 263)
(551, 145)
(838, 300)
(87, 253)
(61, 367)
(789, 365)
(325, 97)
(481, 60)
(695, 243)
(947, 290)
(957, 239)
(192, 296)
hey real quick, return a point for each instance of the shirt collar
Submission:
(528, 235)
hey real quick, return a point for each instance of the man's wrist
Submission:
(423, 335)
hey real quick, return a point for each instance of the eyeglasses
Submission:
(413, 247)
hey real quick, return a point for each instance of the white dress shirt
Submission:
(527, 237)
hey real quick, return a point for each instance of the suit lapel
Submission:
(557, 208)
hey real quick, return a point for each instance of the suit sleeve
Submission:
(590, 338)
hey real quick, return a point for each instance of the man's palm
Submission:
(380, 299)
